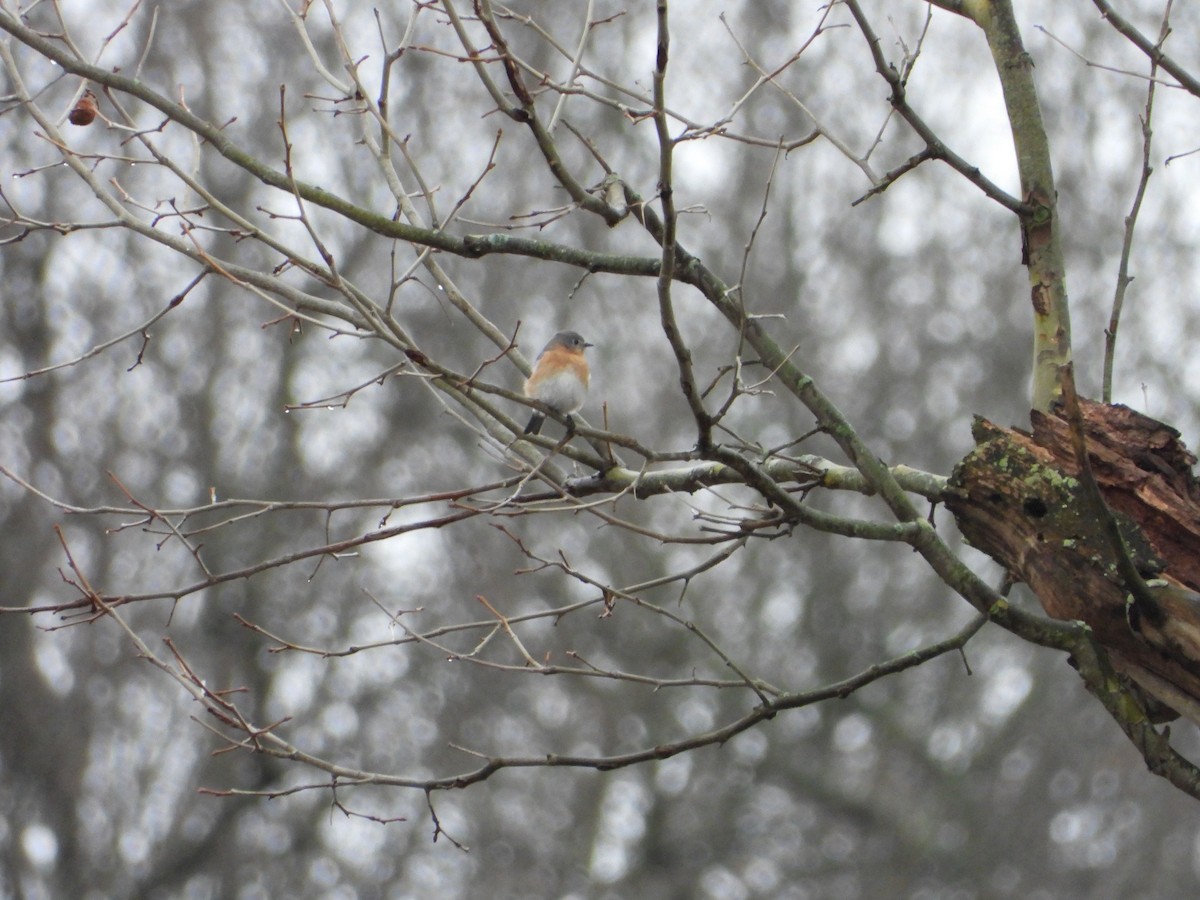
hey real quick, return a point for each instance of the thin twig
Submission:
(1123, 276)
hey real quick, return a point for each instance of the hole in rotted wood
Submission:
(1133, 615)
(995, 497)
(1035, 507)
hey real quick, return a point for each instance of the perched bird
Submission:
(559, 379)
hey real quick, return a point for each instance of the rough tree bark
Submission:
(1018, 497)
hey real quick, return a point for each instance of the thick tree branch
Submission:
(1040, 228)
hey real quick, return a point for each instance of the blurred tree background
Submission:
(987, 774)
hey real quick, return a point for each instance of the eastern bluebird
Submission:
(559, 379)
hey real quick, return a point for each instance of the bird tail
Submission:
(535, 424)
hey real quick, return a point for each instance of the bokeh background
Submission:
(909, 309)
